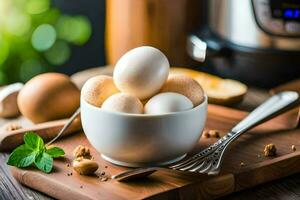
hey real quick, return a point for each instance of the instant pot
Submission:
(255, 41)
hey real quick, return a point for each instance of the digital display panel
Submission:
(288, 10)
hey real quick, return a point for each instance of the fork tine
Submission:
(214, 172)
(215, 169)
(206, 169)
(184, 162)
(183, 165)
(200, 155)
(206, 162)
(197, 167)
(204, 153)
(187, 167)
(191, 162)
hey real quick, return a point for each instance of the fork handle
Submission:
(271, 108)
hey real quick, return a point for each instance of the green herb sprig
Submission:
(34, 152)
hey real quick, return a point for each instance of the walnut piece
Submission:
(85, 166)
(270, 150)
(83, 163)
(82, 151)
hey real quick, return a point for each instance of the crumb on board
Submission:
(270, 150)
(82, 151)
(206, 134)
(211, 133)
(258, 155)
(294, 148)
(12, 126)
(103, 179)
(102, 175)
(242, 164)
(214, 133)
(69, 174)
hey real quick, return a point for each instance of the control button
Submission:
(292, 27)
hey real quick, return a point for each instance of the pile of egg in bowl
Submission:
(142, 116)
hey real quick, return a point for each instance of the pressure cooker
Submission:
(254, 41)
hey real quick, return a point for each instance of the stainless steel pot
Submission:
(255, 41)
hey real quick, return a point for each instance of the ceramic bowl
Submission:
(136, 140)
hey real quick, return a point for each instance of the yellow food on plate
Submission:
(219, 91)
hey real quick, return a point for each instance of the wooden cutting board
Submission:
(171, 184)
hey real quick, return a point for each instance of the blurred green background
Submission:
(37, 36)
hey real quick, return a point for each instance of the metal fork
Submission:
(209, 160)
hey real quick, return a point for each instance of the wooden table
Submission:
(287, 188)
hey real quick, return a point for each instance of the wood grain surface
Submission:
(173, 184)
(285, 188)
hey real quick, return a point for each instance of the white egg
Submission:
(167, 102)
(141, 72)
(122, 102)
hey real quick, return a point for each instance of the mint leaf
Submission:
(34, 151)
(55, 152)
(22, 156)
(44, 162)
(34, 141)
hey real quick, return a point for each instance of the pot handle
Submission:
(199, 49)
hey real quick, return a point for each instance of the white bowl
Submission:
(136, 140)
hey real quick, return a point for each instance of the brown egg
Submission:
(97, 89)
(48, 96)
(186, 86)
